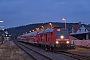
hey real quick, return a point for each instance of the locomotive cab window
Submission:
(61, 32)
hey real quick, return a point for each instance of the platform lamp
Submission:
(50, 24)
(29, 31)
(42, 27)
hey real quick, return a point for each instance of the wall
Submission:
(82, 30)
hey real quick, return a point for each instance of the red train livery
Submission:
(54, 38)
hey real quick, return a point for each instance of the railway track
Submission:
(34, 54)
(76, 56)
(73, 55)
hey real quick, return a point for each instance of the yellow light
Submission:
(58, 29)
(37, 28)
(67, 42)
(42, 26)
(57, 42)
(50, 24)
(62, 37)
(33, 30)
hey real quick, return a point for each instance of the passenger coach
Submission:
(54, 38)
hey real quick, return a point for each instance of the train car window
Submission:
(62, 32)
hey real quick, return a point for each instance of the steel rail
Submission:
(39, 53)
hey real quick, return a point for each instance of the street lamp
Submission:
(33, 30)
(64, 21)
(37, 28)
(42, 27)
(29, 31)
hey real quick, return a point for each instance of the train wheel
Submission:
(46, 48)
(50, 48)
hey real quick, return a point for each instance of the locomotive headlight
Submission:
(62, 37)
(67, 42)
(57, 42)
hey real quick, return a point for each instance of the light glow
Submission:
(67, 42)
(58, 29)
(62, 37)
(63, 18)
(6, 35)
(57, 42)
(1, 21)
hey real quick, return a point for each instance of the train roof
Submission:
(24, 35)
(41, 31)
(48, 29)
(31, 33)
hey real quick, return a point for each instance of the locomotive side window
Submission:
(62, 32)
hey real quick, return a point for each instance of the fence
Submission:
(83, 43)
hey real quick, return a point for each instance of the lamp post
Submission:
(64, 21)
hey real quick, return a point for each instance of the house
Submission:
(80, 31)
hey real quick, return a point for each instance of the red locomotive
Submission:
(54, 38)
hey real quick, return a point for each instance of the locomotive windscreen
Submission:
(62, 32)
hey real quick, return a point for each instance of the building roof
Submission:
(87, 27)
(76, 27)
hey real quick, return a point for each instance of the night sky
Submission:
(22, 12)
